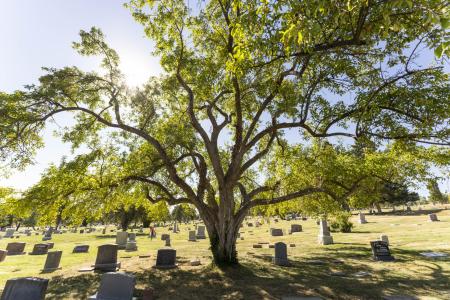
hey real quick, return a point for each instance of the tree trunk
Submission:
(378, 207)
(223, 227)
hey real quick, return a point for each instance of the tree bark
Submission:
(223, 243)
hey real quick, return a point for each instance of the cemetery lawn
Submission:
(330, 272)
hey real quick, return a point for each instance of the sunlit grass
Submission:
(311, 274)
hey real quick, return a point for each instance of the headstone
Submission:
(250, 224)
(48, 234)
(276, 232)
(384, 238)
(165, 236)
(380, 251)
(132, 237)
(121, 239)
(50, 245)
(131, 246)
(433, 217)
(200, 232)
(40, 249)
(296, 228)
(167, 242)
(165, 259)
(408, 208)
(3, 254)
(81, 249)
(29, 288)
(192, 237)
(115, 286)
(52, 261)
(280, 257)
(107, 258)
(81, 231)
(325, 237)
(104, 231)
(9, 232)
(195, 262)
(362, 218)
(15, 248)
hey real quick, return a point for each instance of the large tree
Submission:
(240, 76)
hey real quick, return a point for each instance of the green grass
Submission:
(256, 278)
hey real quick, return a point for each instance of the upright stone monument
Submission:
(380, 251)
(52, 261)
(25, 288)
(48, 234)
(362, 218)
(3, 254)
(276, 232)
(9, 233)
(15, 248)
(433, 217)
(131, 244)
(296, 228)
(325, 237)
(166, 258)
(107, 258)
(280, 257)
(81, 249)
(192, 237)
(121, 239)
(384, 238)
(115, 286)
(167, 242)
(201, 232)
(40, 249)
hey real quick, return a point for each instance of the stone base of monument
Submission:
(325, 240)
(107, 267)
(50, 270)
(281, 262)
(200, 237)
(363, 222)
(15, 253)
(46, 238)
(165, 267)
(121, 247)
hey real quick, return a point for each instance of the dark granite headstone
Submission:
(26, 288)
(15, 248)
(81, 249)
(52, 261)
(380, 251)
(115, 286)
(276, 232)
(296, 228)
(280, 257)
(3, 254)
(166, 258)
(40, 249)
(107, 258)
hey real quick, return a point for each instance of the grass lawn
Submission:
(313, 271)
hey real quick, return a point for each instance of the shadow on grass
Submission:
(332, 275)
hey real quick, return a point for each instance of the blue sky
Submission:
(40, 33)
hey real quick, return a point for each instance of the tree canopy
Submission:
(241, 76)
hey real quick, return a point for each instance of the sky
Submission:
(35, 34)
